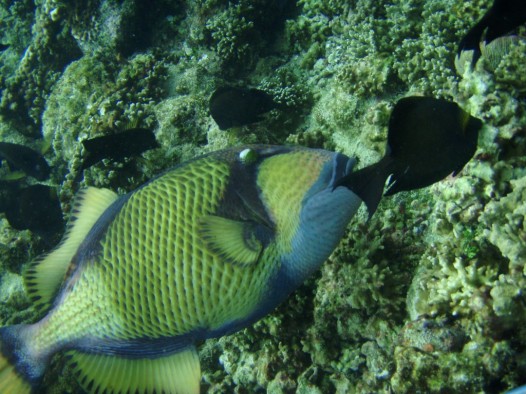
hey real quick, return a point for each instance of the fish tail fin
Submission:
(19, 372)
(368, 183)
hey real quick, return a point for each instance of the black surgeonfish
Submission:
(234, 107)
(21, 157)
(503, 17)
(427, 140)
(34, 208)
(118, 146)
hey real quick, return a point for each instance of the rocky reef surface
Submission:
(427, 296)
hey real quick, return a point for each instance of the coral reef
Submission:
(426, 296)
(43, 58)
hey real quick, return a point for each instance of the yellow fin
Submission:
(44, 275)
(10, 381)
(234, 241)
(178, 373)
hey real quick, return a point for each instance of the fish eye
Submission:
(248, 156)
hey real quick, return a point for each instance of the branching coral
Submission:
(241, 30)
(232, 35)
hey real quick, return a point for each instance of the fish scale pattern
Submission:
(155, 276)
(160, 276)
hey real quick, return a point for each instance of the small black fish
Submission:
(427, 140)
(503, 17)
(34, 208)
(233, 107)
(21, 157)
(118, 146)
(3, 47)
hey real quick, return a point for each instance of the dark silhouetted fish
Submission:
(234, 107)
(3, 47)
(503, 17)
(118, 146)
(34, 208)
(427, 140)
(22, 158)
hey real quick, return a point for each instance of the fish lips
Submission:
(332, 174)
(342, 166)
(334, 170)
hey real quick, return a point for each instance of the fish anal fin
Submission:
(44, 276)
(178, 373)
(236, 242)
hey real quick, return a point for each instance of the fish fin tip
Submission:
(10, 380)
(178, 373)
(44, 275)
(234, 241)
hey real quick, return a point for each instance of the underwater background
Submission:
(427, 296)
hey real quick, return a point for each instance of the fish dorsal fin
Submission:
(236, 242)
(178, 373)
(44, 276)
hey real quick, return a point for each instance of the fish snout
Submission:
(342, 166)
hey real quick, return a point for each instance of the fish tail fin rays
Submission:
(368, 183)
(177, 373)
(19, 372)
(44, 276)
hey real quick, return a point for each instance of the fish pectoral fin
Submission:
(177, 373)
(45, 275)
(237, 242)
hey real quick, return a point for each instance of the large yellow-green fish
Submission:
(201, 251)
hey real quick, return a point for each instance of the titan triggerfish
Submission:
(201, 251)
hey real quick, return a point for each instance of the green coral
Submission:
(14, 303)
(507, 224)
(238, 32)
(16, 19)
(25, 92)
(249, 362)
(232, 34)
(508, 73)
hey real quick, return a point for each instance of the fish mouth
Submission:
(342, 166)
